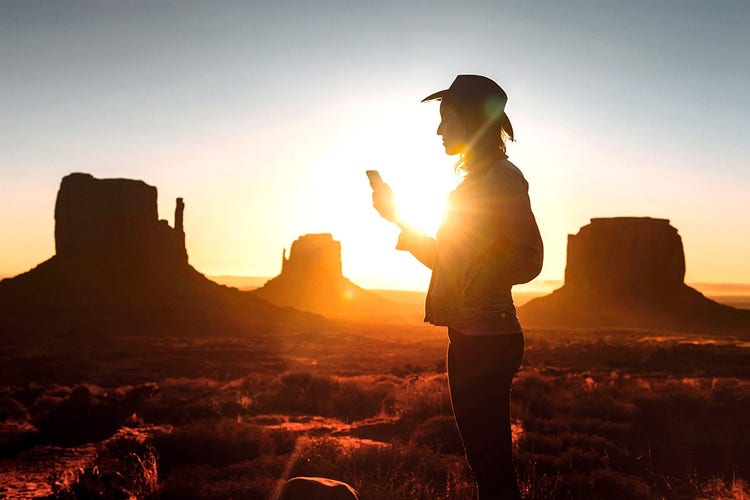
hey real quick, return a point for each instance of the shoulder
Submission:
(505, 176)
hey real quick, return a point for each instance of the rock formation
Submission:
(313, 257)
(629, 271)
(625, 255)
(119, 269)
(114, 220)
(311, 279)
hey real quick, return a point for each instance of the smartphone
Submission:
(374, 176)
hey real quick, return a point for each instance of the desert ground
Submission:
(597, 413)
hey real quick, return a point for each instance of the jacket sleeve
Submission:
(421, 246)
(506, 234)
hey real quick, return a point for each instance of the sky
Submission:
(264, 116)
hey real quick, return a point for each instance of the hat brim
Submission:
(505, 125)
(437, 95)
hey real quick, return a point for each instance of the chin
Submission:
(449, 148)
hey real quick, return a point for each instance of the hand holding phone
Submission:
(382, 197)
(375, 179)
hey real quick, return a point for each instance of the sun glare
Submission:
(420, 209)
(418, 171)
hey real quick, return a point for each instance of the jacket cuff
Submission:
(407, 239)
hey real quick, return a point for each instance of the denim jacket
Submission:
(487, 242)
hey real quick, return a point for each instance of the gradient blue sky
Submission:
(264, 115)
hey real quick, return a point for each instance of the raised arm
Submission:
(420, 245)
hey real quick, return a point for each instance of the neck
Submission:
(479, 159)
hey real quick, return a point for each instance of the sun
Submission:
(421, 189)
(421, 209)
(421, 179)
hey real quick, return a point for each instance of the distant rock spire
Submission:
(178, 211)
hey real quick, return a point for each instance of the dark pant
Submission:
(480, 371)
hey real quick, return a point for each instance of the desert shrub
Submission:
(219, 443)
(601, 484)
(50, 398)
(541, 443)
(717, 488)
(304, 392)
(13, 410)
(610, 484)
(88, 413)
(568, 451)
(614, 431)
(544, 425)
(677, 425)
(730, 390)
(438, 433)
(28, 394)
(544, 465)
(124, 468)
(388, 472)
(183, 400)
(600, 404)
(694, 425)
(367, 396)
(581, 459)
(421, 398)
(91, 483)
(242, 480)
(346, 398)
(533, 393)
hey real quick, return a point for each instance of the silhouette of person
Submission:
(487, 242)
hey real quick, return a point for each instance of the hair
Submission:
(488, 134)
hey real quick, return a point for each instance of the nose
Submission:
(439, 130)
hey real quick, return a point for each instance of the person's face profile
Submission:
(452, 129)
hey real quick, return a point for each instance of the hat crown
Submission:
(476, 86)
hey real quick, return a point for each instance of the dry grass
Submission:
(615, 414)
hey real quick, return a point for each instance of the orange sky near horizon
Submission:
(331, 194)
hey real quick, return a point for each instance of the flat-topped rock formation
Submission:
(115, 221)
(625, 254)
(311, 279)
(119, 269)
(313, 257)
(629, 271)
